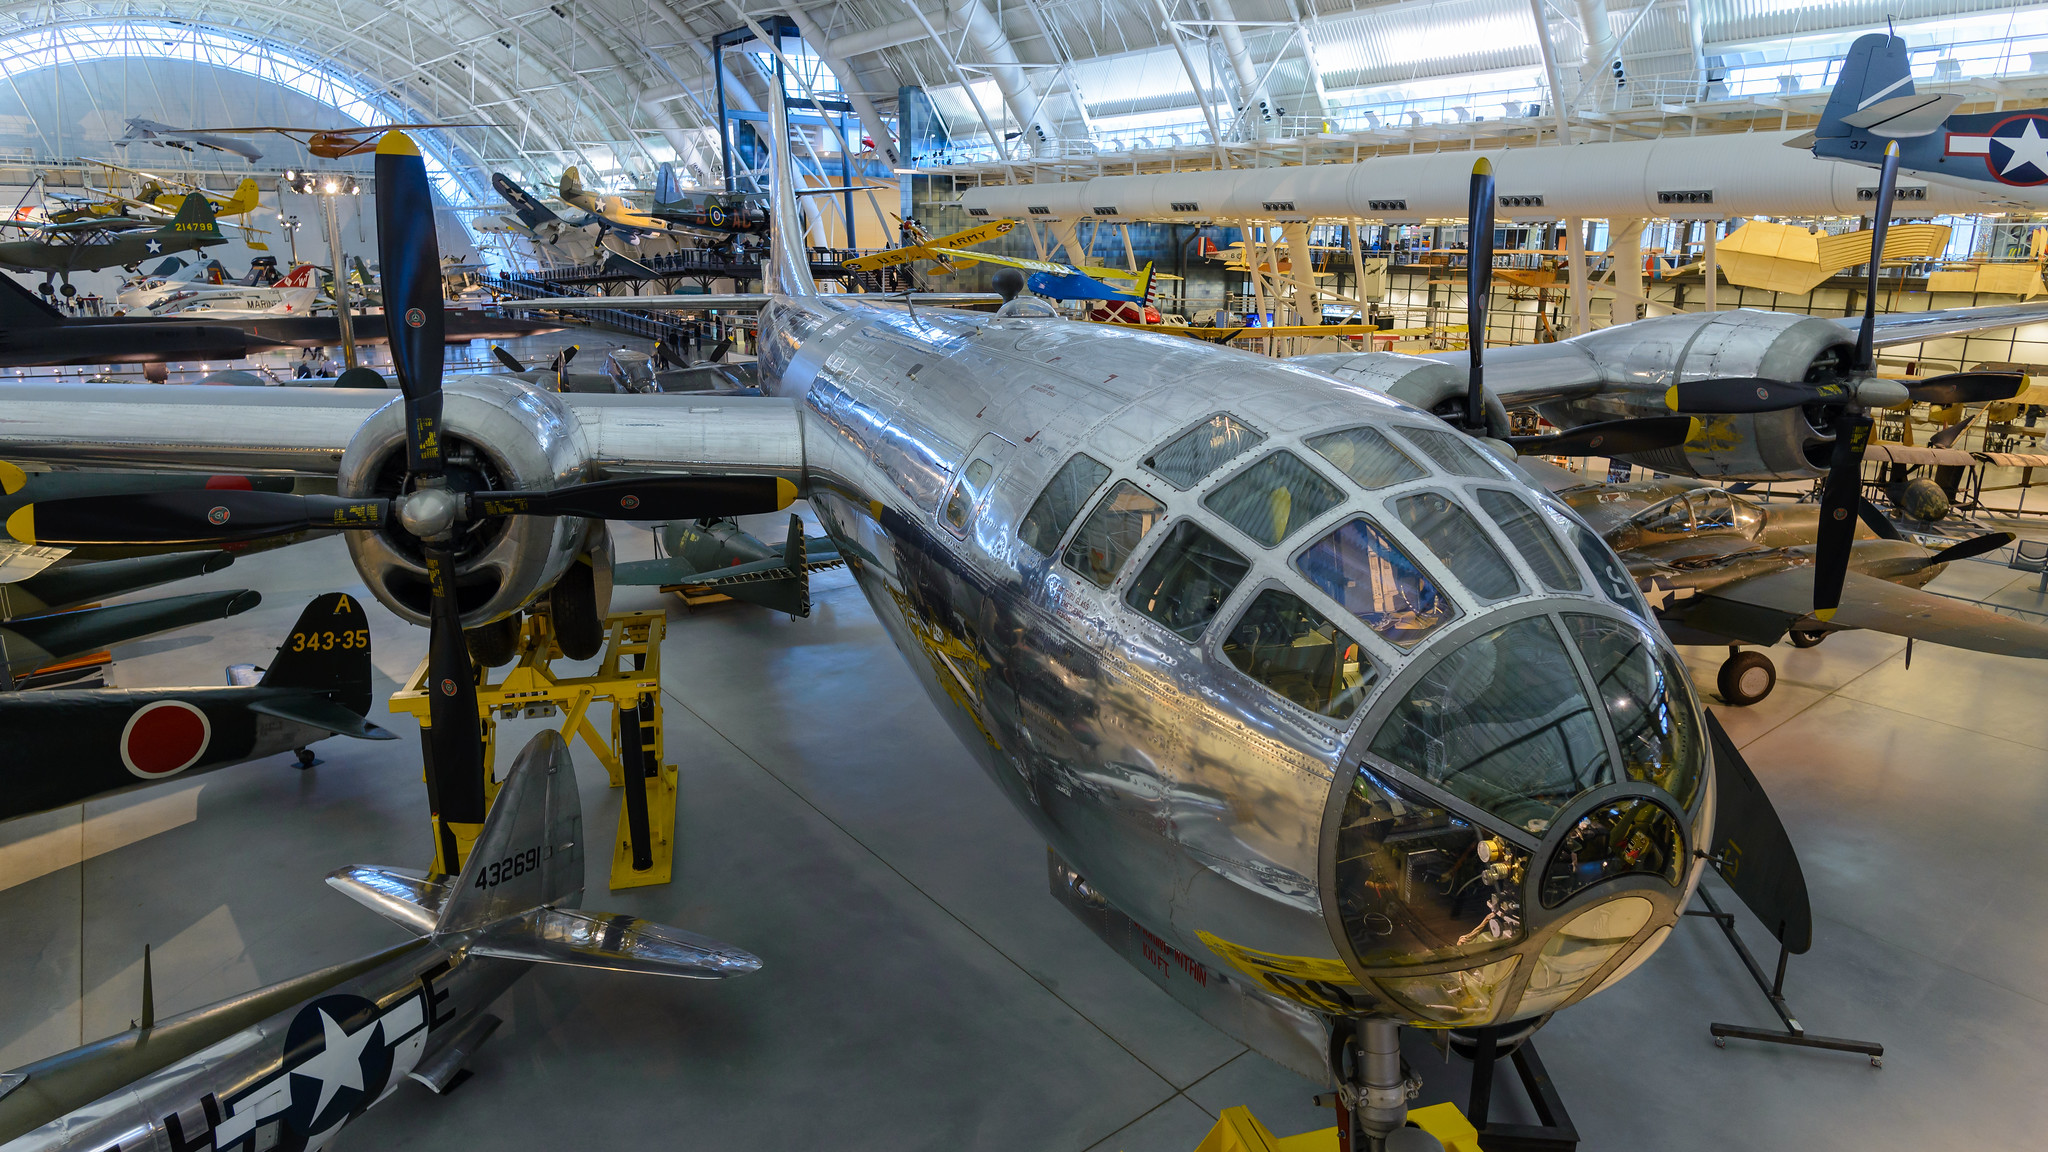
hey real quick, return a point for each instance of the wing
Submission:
(1534, 373)
(1913, 327)
(1233, 333)
(1882, 606)
(304, 431)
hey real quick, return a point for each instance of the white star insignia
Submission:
(2029, 147)
(153, 246)
(1661, 596)
(340, 1062)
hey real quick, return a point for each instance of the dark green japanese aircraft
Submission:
(71, 745)
(89, 245)
(1720, 568)
(42, 586)
(716, 555)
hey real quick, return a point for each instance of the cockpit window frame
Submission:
(1393, 690)
(1145, 461)
(1240, 601)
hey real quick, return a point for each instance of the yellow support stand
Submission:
(1237, 1130)
(628, 677)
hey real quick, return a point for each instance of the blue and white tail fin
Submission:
(517, 895)
(1874, 98)
(789, 265)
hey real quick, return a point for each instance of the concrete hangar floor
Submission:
(921, 988)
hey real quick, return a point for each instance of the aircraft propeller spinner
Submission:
(411, 283)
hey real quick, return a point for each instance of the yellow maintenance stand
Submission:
(628, 677)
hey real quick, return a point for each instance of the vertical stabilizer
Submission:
(1876, 68)
(19, 307)
(530, 852)
(789, 265)
(195, 217)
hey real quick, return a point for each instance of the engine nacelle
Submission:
(1645, 358)
(498, 434)
(1427, 384)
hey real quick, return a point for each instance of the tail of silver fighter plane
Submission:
(518, 895)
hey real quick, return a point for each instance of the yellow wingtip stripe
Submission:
(396, 144)
(11, 478)
(22, 525)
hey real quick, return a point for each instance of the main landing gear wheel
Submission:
(1807, 639)
(495, 643)
(579, 626)
(1746, 677)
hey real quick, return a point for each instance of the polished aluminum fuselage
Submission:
(1188, 796)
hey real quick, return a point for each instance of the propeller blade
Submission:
(1881, 223)
(507, 359)
(1839, 497)
(1609, 438)
(1947, 437)
(646, 498)
(1966, 388)
(191, 516)
(409, 255)
(1478, 279)
(1751, 849)
(569, 353)
(1974, 546)
(453, 742)
(1729, 395)
(1878, 521)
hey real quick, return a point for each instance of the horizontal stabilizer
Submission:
(616, 943)
(20, 561)
(320, 712)
(397, 894)
(101, 579)
(1906, 116)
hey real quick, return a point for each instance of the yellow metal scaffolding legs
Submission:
(628, 677)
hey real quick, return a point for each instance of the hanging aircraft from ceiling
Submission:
(1252, 647)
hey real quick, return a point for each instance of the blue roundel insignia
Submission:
(338, 1062)
(717, 214)
(2015, 150)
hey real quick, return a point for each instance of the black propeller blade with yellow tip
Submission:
(193, 516)
(1608, 438)
(507, 359)
(1478, 284)
(410, 251)
(1842, 491)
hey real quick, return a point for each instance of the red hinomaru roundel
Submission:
(164, 738)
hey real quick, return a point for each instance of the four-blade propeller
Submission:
(431, 510)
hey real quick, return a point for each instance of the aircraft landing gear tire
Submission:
(306, 758)
(579, 626)
(46, 289)
(495, 643)
(1746, 677)
(1806, 639)
(68, 289)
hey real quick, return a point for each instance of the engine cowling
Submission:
(498, 434)
(1427, 384)
(1647, 357)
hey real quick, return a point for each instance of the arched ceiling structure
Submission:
(619, 86)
